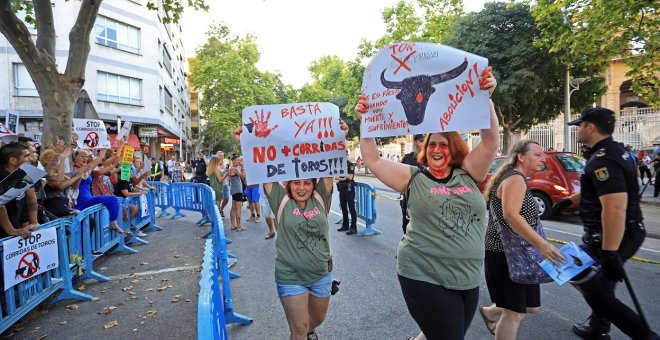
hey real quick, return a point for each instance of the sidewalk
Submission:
(151, 294)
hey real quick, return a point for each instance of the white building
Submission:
(135, 71)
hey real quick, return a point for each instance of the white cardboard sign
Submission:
(292, 141)
(125, 129)
(25, 258)
(18, 182)
(422, 87)
(91, 134)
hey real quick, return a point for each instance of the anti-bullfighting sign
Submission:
(90, 134)
(25, 258)
(292, 141)
(421, 87)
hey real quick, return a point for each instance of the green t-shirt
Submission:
(444, 241)
(302, 245)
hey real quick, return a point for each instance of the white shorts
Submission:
(266, 212)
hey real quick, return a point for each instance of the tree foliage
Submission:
(58, 92)
(594, 32)
(530, 80)
(225, 72)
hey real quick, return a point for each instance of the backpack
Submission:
(280, 208)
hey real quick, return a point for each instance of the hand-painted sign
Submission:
(421, 87)
(25, 258)
(91, 134)
(18, 182)
(292, 141)
(127, 157)
(125, 171)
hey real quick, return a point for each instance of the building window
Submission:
(119, 89)
(117, 35)
(168, 101)
(23, 82)
(167, 60)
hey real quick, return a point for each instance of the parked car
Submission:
(559, 178)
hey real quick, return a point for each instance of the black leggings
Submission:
(439, 312)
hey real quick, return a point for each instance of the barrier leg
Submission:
(369, 230)
(177, 213)
(136, 239)
(153, 226)
(163, 212)
(340, 221)
(204, 220)
(123, 247)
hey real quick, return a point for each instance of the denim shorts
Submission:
(225, 191)
(320, 288)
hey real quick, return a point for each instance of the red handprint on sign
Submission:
(261, 129)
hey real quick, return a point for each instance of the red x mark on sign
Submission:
(402, 63)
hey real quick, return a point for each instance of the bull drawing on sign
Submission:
(416, 91)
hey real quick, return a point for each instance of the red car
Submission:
(559, 178)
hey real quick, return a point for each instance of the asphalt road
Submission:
(369, 304)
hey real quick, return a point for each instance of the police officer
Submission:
(346, 188)
(613, 225)
(410, 159)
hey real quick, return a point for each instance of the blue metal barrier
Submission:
(20, 299)
(162, 197)
(192, 196)
(210, 312)
(140, 221)
(365, 206)
(221, 262)
(90, 238)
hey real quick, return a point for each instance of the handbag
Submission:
(522, 257)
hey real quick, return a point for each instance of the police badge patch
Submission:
(602, 174)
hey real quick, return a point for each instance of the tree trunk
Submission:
(57, 104)
(506, 140)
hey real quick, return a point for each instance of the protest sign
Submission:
(25, 258)
(125, 129)
(128, 155)
(91, 134)
(292, 141)
(144, 205)
(7, 136)
(421, 87)
(35, 135)
(11, 121)
(18, 182)
(125, 171)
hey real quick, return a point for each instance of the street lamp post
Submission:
(179, 122)
(572, 84)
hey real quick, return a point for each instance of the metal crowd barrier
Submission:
(20, 299)
(90, 238)
(141, 221)
(221, 262)
(191, 196)
(365, 205)
(162, 197)
(210, 311)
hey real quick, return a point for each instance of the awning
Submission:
(133, 141)
(163, 132)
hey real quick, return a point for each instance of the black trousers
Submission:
(441, 313)
(656, 185)
(347, 203)
(599, 292)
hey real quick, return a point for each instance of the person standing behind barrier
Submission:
(439, 259)
(644, 162)
(252, 194)
(225, 183)
(512, 206)
(236, 176)
(346, 188)
(156, 170)
(126, 189)
(216, 177)
(613, 225)
(199, 169)
(176, 172)
(267, 213)
(410, 159)
(303, 267)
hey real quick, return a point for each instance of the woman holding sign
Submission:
(303, 264)
(439, 259)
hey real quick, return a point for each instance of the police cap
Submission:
(600, 116)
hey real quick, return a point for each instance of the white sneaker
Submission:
(140, 233)
(251, 219)
(257, 220)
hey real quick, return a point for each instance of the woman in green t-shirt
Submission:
(439, 259)
(303, 264)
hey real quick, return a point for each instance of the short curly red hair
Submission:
(458, 148)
